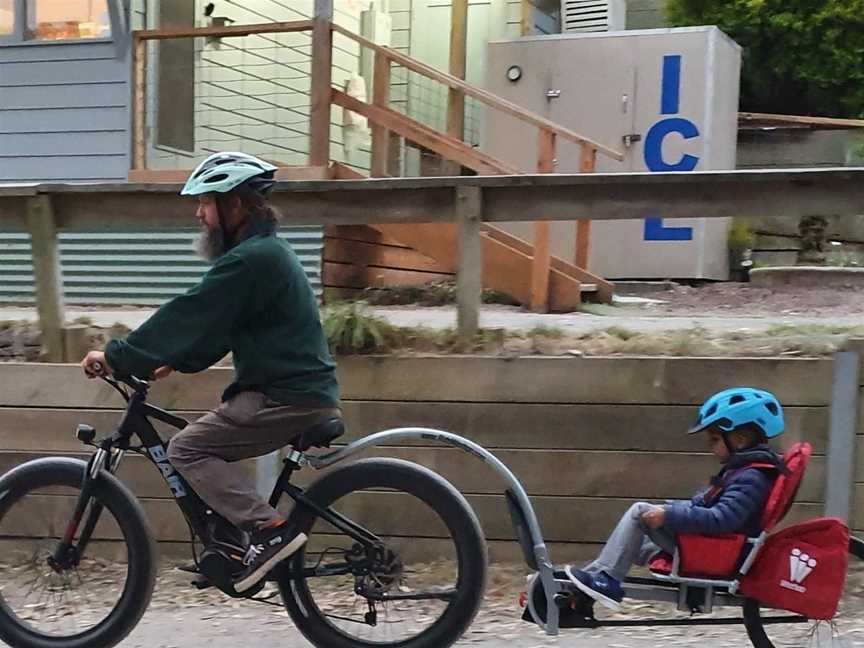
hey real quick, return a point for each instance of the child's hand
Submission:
(654, 517)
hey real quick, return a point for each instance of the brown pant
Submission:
(249, 425)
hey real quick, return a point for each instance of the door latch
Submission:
(631, 138)
(552, 93)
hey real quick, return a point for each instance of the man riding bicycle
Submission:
(255, 302)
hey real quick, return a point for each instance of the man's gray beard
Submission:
(210, 244)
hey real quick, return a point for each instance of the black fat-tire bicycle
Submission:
(78, 568)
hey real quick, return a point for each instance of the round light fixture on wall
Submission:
(514, 73)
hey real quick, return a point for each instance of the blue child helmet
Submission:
(732, 408)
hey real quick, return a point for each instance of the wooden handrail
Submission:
(481, 95)
(230, 30)
(830, 122)
(423, 135)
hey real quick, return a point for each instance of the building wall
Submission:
(63, 112)
(252, 93)
(65, 116)
(798, 147)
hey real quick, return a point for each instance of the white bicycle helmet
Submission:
(222, 172)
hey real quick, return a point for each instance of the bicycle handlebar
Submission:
(131, 381)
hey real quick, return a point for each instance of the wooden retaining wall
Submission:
(587, 436)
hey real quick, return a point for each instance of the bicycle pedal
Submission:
(190, 568)
(201, 582)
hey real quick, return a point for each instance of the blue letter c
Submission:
(654, 144)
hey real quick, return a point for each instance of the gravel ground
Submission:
(742, 298)
(180, 616)
(718, 306)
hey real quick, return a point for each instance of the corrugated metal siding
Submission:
(140, 268)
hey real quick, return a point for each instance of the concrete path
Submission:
(500, 317)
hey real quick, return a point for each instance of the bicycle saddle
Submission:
(320, 435)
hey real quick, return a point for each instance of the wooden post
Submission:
(139, 103)
(469, 276)
(455, 97)
(541, 260)
(525, 26)
(381, 99)
(319, 95)
(458, 53)
(587, 164)
(76, 342)
(46, 269)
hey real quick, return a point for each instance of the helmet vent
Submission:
(772, 407)
(219, 177)
(737, 398)
(711, 410)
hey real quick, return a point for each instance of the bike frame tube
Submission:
(135, 422)
(541, 553)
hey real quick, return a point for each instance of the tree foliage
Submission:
(800, 56)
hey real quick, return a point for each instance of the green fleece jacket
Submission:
(255, 302)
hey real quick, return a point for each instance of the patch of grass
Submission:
(543, 331)
(597, 309)
(118, 330)
(440, 293)
(490, 296)
(785, 330)
(620, 332)
(693, 341)
(351, 328)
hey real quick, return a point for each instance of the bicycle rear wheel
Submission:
(89, 601)
(421, 588)
(840, 632)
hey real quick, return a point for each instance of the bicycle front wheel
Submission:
(81, 601)
(422, 584)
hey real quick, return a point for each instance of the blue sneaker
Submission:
(601, 587)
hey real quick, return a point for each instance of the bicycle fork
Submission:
(67, 554)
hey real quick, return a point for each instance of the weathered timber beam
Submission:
(597, 196)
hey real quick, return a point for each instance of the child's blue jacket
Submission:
(734, 501)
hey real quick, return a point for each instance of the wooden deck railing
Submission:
(384, 120)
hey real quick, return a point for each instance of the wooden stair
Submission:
(384, 255)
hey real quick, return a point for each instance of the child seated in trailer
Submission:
(738, 423)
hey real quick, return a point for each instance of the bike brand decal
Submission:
(800, 567)
(168, 472)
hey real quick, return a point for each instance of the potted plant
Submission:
(740, 242)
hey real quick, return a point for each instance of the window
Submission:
(7, 17)
(67, 19)
(54, 20)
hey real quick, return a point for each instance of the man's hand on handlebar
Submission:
(95, 366)
(162, 372)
